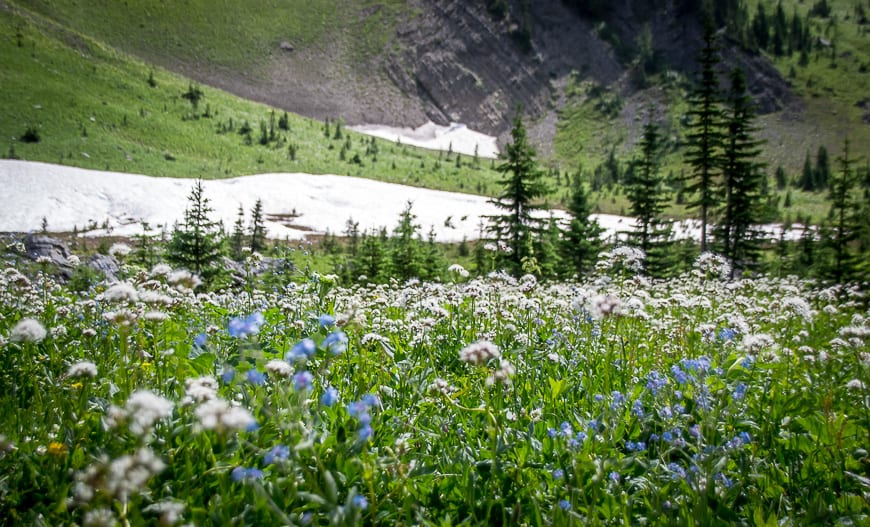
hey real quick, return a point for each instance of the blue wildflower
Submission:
(677, 472)
(618, 399)
(329, 397)
(598, 397)
(552, 432)
(726, 334)
(565, 428)
(335, 342)
(558, 473)
(666, 413)
(256, 378)
(637, 408)
(365, 432)
(614, 477)
(744, 436)
(655, 382)
(667, 437)
(227, 375)
(242, 327)
(200, 340)
(246, 474)
(695, 431)
(724, 480)
(356, 408)
(565, 505)
(679, 375)
(739, 392)
(277, 452)
(360, 502)
(326, 321)
(302, 350)
(302, 380)
(370, 400)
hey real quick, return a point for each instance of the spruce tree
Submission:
(522, 184)
(807, 181)
(258, 229)
(582, 240)
(741, 185)
(704, 136)
(405, 254)
(823, 169)
(846, 222)
(647, 193)
(196, 242)
(237, 238)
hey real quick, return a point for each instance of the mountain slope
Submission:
(405, 62)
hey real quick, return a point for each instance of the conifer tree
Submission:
(846, 222)
(237, 238)
(823, 169)
(547, 250)
(433, 258)
(405, 257)
(258, 229)
(372, 252)
(741, 185)
(582, 240)
(648, 196)
(807, 181)
(196, 242)
(522, 184)
(704, 136)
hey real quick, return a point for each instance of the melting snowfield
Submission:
(294, 204)
(456, 137)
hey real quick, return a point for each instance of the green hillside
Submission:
(84, 77)
(95, 107)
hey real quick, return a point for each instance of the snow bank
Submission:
(294, 204)
(457, 137)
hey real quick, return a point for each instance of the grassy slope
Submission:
(94, 108)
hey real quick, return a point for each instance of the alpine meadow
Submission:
(385, 262)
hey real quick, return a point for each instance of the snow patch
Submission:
(294, 205)
(457, 137)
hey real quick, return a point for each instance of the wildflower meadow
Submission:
(616, 400)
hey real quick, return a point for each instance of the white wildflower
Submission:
(501, 375)
(155, 316)
(82, 369)
(712, 265)
(219, 416)
(798, 307)
(160, 271)
(145, 408)
(601, 306)
(855, 384)
(120, 250)
(169, 511)
(184, 280)
(479, 353)
(440, 386)
(120, 293)
(100, 517)
(199, 389)
(27, 330)
(279, 368)
(458, 269)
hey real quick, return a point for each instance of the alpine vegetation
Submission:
(619, 399)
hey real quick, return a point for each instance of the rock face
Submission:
(466, 66)
(106, 264)
(38, 246)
